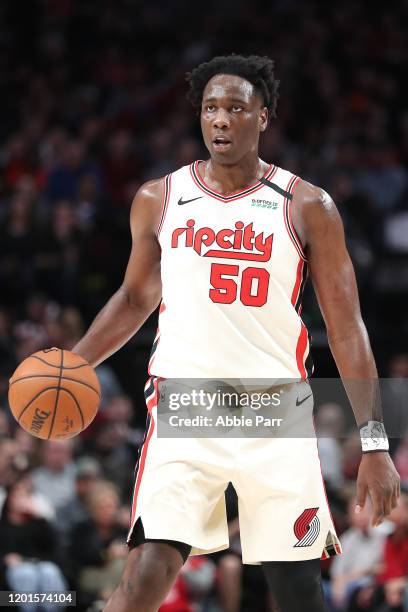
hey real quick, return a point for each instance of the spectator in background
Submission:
(394, 394)
(114, 442)
(64, 179)
(110, 385)
(88, 474)
(119, 410)
(192, 588)
(8, 469)
(55, 478)
(87, 204)
(401, 458)
(27, 448)
(18, 234)
(383, 180)
(362, 552)
(98, 550)
(120, 165)
(351, 457)
(29, 332)
(59, 252)
(393, 575)
(28, 547)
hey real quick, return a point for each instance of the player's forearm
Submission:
(355, 361)
(115, 324)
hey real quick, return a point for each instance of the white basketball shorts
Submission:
(283, 510)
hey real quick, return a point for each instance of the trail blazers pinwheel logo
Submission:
(307, 527)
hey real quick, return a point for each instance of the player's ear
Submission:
(263, 119)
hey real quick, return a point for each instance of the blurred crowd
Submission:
(94, 104)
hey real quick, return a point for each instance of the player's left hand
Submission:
(378, 477)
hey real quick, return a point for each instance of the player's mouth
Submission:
(221, 143)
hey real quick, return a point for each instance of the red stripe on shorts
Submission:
(144, 452)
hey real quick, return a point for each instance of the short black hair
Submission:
(256, 69)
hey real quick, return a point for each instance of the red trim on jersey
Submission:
(298, 282)
(142, 466)
(166, 198)
(301, 349)
(152, 402)
(156, 339)
(288, 218)
(237, 195)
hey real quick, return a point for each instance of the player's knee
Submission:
(156, 570)
(149, 575)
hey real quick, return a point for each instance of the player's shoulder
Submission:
(150, 190)
(313, 209)
(312, 201)
(311, 195)
(153, 189)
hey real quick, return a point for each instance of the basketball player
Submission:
(223, 246)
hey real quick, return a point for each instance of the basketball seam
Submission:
(57, 394)
(77, 403)
(52, 365)
(55, 376)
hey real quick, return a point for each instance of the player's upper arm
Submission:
(142, 282)
(321, 230)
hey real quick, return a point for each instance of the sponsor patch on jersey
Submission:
(264, 204)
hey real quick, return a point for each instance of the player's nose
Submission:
(221, 119)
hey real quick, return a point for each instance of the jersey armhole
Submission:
(165, 203)
(287, 213)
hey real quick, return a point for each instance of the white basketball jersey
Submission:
(233, 272)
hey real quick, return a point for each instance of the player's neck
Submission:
(232, 178)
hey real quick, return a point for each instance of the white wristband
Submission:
(373, 437)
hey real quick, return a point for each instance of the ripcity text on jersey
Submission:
(233, 272)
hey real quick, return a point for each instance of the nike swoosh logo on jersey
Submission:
(303, 400)
(181, 201)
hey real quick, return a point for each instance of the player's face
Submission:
(232, 117)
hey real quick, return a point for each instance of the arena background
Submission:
(93, 104)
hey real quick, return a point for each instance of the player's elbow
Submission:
(144, 300)
(345, 331)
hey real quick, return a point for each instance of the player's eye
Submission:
(236, 108)
(210, 108)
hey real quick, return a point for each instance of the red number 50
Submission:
(254, 285)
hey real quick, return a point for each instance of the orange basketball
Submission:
(54, 394)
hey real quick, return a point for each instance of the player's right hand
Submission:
(378, 477)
